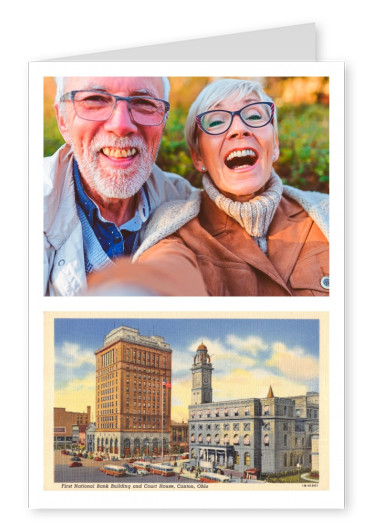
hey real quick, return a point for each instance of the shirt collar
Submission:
(91, 210)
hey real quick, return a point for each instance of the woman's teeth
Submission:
(119, 153)
(241, 158)
(241, 153)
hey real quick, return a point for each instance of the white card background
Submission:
(36, 32)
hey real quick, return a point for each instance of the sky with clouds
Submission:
(248, 355)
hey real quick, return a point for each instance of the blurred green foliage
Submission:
(303, 141)
(52, 137)
(304, 146)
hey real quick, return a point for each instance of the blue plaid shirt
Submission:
(115, 241)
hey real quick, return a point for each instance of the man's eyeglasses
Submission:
(98, 106)
(253, 115)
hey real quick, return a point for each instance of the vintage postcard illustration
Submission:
(187, 403)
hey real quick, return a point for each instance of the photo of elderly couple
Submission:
(186, 186)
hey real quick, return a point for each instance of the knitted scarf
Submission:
(255, 215)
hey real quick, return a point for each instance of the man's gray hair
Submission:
(213, 94)
(60, 84)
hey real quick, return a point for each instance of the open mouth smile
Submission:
(116, 153)
(241, 158)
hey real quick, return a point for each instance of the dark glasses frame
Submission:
(236, 113)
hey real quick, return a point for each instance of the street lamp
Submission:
(298, 466)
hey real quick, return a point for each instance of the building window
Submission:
(236, 458)
(266, 440)
(266, 410)
(285, 460)
(247, 459)
(285, 440)
(236, 439)
(247, 440)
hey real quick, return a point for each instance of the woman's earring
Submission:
(273, 158)
(203, 168)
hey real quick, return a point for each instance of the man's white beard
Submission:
(115, 183)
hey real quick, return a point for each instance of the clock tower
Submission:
(202, 392)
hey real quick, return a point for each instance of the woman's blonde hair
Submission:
(216, 92)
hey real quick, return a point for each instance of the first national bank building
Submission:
(269, 434)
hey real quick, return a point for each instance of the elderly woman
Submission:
(247, 234)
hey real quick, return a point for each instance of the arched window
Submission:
(193, 453)
(226, 439)
(236, 458)
(247, 459)
(236, 439)
(266, 440)
(291, 460)
(217, 439)
(200, 438)
(246, 440)
(285, 460)
(208, 438)
(193, 438)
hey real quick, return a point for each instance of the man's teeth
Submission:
(119, 153)
(241, 153)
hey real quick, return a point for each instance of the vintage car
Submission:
(75, 463)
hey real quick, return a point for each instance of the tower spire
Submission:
(270, 393)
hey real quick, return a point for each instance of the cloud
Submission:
(293, 363)
(254, 384)
(73, 356)
(253, 345)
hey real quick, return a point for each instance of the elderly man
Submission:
(102, 186)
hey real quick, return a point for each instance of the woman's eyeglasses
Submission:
(254, 115)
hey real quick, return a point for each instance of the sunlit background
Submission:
(303, 124)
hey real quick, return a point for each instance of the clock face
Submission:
(205, 379)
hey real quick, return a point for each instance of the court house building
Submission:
(271, 434)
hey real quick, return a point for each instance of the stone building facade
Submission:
(179, 437)
(271, 434)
